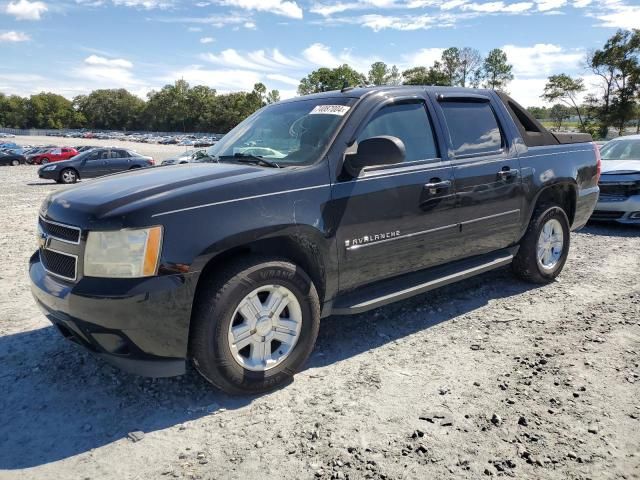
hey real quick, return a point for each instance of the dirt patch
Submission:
(490, 377)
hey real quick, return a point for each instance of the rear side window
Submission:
(473, 128)
(410, 123)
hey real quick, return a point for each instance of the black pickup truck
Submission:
(328, 204)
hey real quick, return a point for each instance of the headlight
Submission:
(123, 253)
(49, 168)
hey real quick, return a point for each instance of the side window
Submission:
(93, 156)
(473, 127)
(123, 154)
(410, 123)
(114, 154)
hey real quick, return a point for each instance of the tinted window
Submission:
(122, 154)
(94, 155)
(473, 127)
(410, 123)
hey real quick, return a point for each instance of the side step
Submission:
(406, 286)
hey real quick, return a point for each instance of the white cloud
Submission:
(581, 3)
(320, 54)
(276, 77)
(546, 5)
(26, 10)
(95, 60)
(285, 8)
(423, 57)
(206, 40)
(13, 36)
(618, 14)
(542, 59)
(146, 4)
(260, 60)
(223, 80)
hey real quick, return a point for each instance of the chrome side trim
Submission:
(488, 217)
(401, 237)
(553, 153)
(70, 227)
(75, 257)
(212, 204)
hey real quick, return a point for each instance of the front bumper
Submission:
(140, 325)
(624, 210)
(49, 175)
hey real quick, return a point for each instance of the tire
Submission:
(15, 163)
(44, 161)
(216, 311)
(68, 175)
(539, 259)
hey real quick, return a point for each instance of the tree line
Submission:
(182, 107)
(174, 108)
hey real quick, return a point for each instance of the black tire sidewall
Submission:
(217, 360)
(531, 243)
(75, 179)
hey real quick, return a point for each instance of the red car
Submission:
(53, 155)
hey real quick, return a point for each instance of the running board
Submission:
(406, 286)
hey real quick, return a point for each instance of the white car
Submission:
(620, 181)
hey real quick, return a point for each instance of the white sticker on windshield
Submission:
(330, 110)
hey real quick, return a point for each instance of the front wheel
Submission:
(44, 161)
(15, 163)
(255, 324)
(68, 175)
(545, 246)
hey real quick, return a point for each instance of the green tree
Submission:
(381, 74)
(496, 71)
(451, 65)
(565, 89)
(539, 113)
(49, 110)
(273, 96)
(470, 62)
(558, 113)
(425, 76)
(110, 109)
(325, 79)
(618, 67)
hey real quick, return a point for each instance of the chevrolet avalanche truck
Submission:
(328, 204)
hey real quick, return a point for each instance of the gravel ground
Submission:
(158, 152)
(489, 377)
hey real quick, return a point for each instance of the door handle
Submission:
(506, 173)
(436, 184)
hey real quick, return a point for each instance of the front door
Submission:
(96, 164)
(487, 174)
(398, 218)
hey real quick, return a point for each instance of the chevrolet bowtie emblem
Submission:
(43, 240)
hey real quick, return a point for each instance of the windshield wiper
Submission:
(249, 158)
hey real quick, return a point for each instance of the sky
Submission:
(71, 47)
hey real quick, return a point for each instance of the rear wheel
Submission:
(44, 161)
(15, 163)
(545, 246)
(68, 175)
(255, 325)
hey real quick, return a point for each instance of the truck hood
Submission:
(149, 189)
(620, 166)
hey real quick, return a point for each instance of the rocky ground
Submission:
(488, 378)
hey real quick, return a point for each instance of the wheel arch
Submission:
(69, 168)
(300, 249)
(563, 194)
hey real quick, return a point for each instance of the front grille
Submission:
(606, 215)
(59, 264)
(618, 190)
(62, 232)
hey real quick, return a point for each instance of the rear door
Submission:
(119, 160)
(396, 218)
(486, 168)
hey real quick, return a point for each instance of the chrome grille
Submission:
(60, 264)
(66, 233)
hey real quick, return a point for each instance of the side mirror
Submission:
(382, 150)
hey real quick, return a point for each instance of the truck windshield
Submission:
(291, 133)
(622, 150)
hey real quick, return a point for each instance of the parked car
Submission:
(7, 135)
(53, 155)
(620, 181)
(13, 159)
(94, 163)
(186, 157)
(372, 195)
